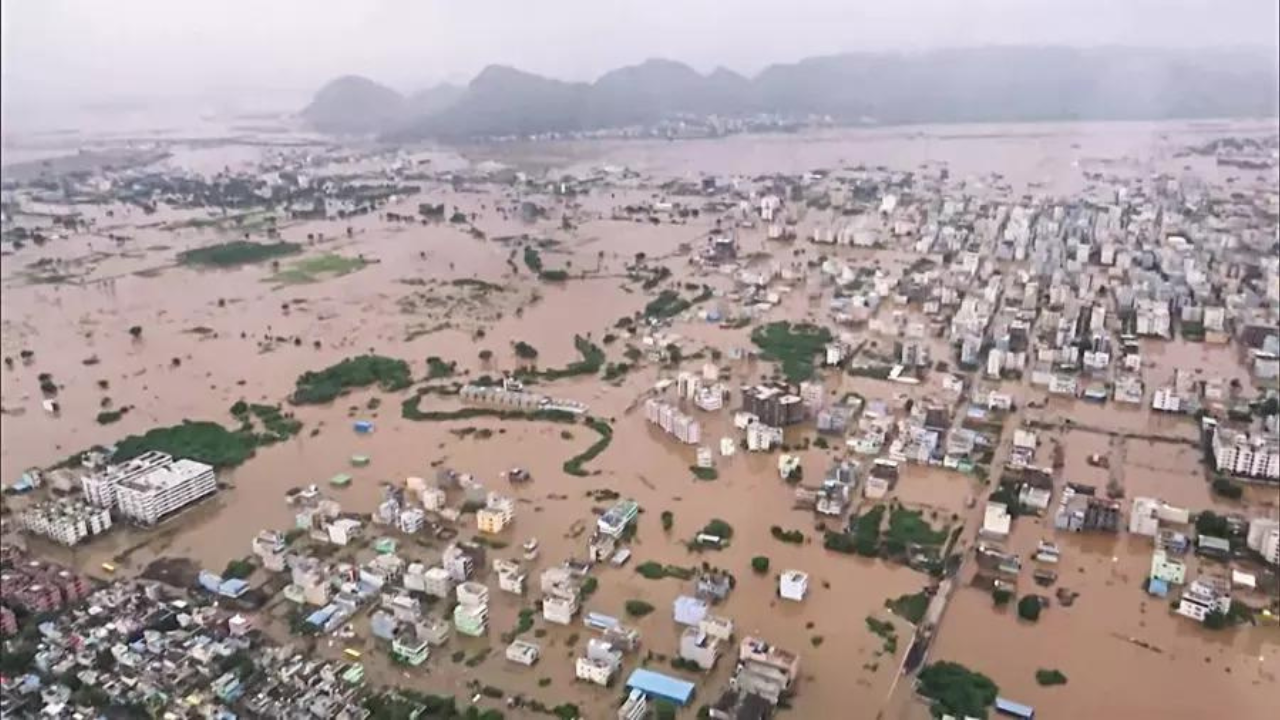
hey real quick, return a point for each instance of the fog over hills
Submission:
(962, 85)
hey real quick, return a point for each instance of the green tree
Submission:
(638, 608)
(1029, 608)
(760, 564)
(1215, 620)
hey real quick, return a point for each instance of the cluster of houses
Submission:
(131, 644)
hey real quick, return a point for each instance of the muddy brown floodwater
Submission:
(233, 334)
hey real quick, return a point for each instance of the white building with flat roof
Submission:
(793, 585)
(1240, 453)
(151, 487)
(66, 522)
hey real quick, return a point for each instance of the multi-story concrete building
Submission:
(471, 614)
(67, 522)
(497, 513)
(411, 520)
(1240, 453)
(774, 405)
(615, 521)
(699, 647)
(1203, 596)
(511, 577)
(765, 670)
(1168, 569)
(1264, 538)
(437, 582)
(151, 487)
(600, 664)
(523, 652)
(410, 647)
(560, 609)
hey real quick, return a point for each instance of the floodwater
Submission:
(212, 337)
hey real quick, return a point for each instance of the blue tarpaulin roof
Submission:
(234, 587)
(662, 686)
(1158, 587)
(321, 616)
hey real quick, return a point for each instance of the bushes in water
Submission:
(638, 608)
(704, 473)
(794, 537)
(573, 465)
(1029, 608)
(1050, 677)
(202, 441)
(792, 345)
(956, 690)
(237, 252)
(320, 387)
(911, 608)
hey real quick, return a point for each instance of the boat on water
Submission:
(530, 549)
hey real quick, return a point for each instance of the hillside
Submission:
(354, 104)
(970, 85)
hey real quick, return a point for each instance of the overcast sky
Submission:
(99, 49)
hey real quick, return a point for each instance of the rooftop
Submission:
(662, 686)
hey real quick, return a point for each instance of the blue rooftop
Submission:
(1158, 587)
(235, 587)
(321, 616)
(662, 686)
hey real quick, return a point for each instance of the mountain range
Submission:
(964, 85)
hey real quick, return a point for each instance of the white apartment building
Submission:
(151, 486)
(496, 515)
(1244, 454)
(523, 652)
(599, 672)
(1166, 399)
(411, 521)
(1264, 539)
(437, 582)
(433, 499)
(1203, 596)
(511, 577)
(763, 438)
(560, 609)
(66, 522)
(1168, 569)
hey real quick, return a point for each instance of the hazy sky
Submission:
(96, 49)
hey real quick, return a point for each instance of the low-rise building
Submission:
(1203, 596)
(511, 577)
(765, 670)
(559, 609)
(699, 647)
(523, 652)
(793, 585)
(1167, 569)
(496, 515)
